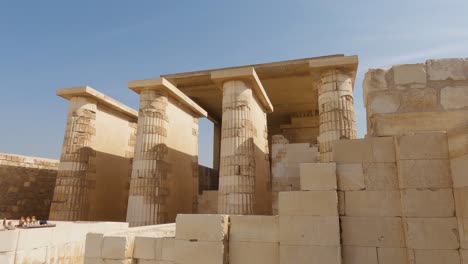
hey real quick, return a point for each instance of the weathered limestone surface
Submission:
(164, 179)
(428, 96)
(336, 107)
(26, 185)
(97, 150)
(244, 178)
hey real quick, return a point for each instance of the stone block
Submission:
(447, 69)
(253, 253)
(392, 255)
(93, 245)
(350, 177)
(454, 97)
(341, 203)
(464, 256)
(309, 230)
(463, 232)
(202, 227)
(432, 233)
(31, 255)
(409, 73)
(313, 203)
(254, 228)
(372, 231)
(458, 141)
(309, 255)
(317, 176)
(352, 151)
(424, 174)
(380, 176)
(156, 248)
(28, 239)
(461, 201)
(383, 103)
(459, 168)
(7, 257)
(9, 240)
(199, 252)
(359, 255)
(383, 149)
(116, 247)
(435, 257)
(428, 202)
(373, 203)
(422, 146)
(419, 100)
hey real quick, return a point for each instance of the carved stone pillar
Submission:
(244, 173)
(336, 108)
(146, 204)
(76, 173)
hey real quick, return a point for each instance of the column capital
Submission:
(88, 92)
(244, 74)
(163, 84)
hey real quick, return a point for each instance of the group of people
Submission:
(6, 226)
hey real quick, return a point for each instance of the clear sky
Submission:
(45, 45)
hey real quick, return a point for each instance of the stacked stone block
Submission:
(430, 96)
(201, 239)
(309, 229)
(336, 108)
(285, 163)
(26, 186)
(253, 240)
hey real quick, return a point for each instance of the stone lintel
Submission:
(86, 91)
(163, 84)
(247, 74)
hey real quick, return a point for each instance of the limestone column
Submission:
(336, 108)
(146, 203)
(76, 173)
(242, 162)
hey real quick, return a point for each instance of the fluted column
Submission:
(148, 190)
(336, 107)
(237, 162)
(76, 173)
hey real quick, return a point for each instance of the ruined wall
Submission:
(94, 172)
(431, 96)
(304, 128)
(285, 160)
(26, 186)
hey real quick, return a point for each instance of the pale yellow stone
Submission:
(436, 256)
(359, 255)
(432, 233)
(459, 168)
(254, 228)
(419, 100)
(310, 254)
(461, 201)
(374, 81)
(383, 149)
(424, 174)
(458, 141)
(309, 230)
(352, 151)
(392, 255)
(383, 103)
(428, 202)
(454, 97)
(409, 73)
(253, 253)
(313, 203)
(372, 231)
(422, 146)
(202, 227)
(200, 252)
(447, 69)
(317, 176)
(372, 203)
(380, 176)
(350, 177)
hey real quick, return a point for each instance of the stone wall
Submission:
(431, 96)
(96, 160)
(26, 186)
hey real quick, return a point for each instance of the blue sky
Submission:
(45, 45)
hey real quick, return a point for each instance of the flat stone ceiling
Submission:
(291, 85)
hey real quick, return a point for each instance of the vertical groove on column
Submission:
(148, 184)
(336, 107)
(77, 168)
(237, 163)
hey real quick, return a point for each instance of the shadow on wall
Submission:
(26, 191)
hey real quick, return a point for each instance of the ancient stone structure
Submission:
(165, 169)
(97, 150)
(26, 186)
